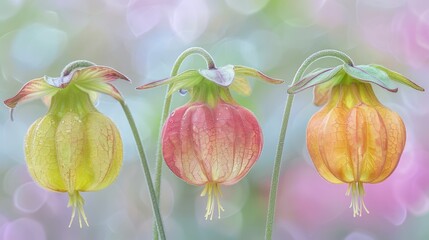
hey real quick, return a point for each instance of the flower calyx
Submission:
(78, 76)
(211, 85)
(325, 79)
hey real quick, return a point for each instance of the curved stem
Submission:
(276, 169)
(145, 166)
(166, 109)
(74, 65)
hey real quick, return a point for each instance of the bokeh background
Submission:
(142, 39)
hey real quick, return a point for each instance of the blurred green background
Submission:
(142, 40)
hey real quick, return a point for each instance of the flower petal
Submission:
(371, 74)
(317, 77)
(33, 89)
(222, 76)
(250, 72)
(397, 77)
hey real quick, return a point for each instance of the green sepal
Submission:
(397, 77)
(317, 77)
(367, 73)
(185, 80)
(90, 79)
(251, 72)
(241, 86)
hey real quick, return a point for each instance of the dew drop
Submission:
(183, 92)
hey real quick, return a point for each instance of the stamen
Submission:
(357, 203)
(213, 191)
(76, 202)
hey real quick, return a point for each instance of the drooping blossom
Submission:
(354, 139)
(211, 140)
(73, 147)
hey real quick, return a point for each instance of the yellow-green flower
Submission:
(74, 147)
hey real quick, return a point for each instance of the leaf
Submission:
(366, 73)
(397, 77)
(316, 78)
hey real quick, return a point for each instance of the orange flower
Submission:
(354, 139)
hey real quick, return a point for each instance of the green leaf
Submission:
(397, 77)
(317, 77)
(366, 73)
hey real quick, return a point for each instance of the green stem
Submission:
(276, 170)
(166, 109)
(145, 166)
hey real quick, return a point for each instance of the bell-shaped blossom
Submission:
(74, 147)
(354, 139)
(212, 140)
